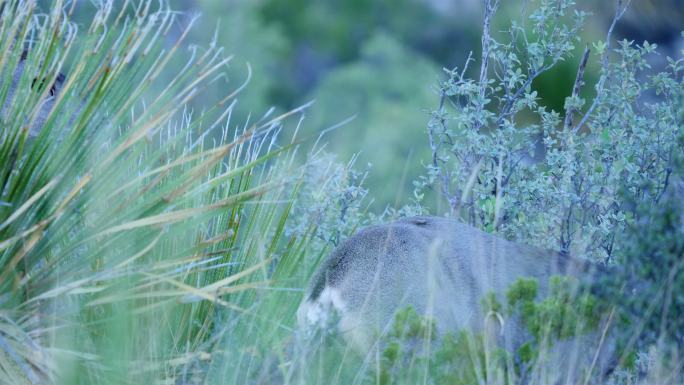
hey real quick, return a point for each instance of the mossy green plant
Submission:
(413, 351)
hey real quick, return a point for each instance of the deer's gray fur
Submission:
(441, 267)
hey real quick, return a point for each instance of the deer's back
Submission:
(441, 267)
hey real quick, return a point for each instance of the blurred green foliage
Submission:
(335, 32)
(387, 91)
(338, 28)
(257, 48)
(376, 60)
(413, 351)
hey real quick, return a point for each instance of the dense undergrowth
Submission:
(144, 242)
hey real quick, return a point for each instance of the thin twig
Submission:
(434, 146)
(600, 345)
(444, 176)
(621, 7)
(577, 87)
(484, 65)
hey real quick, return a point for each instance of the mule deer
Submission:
(441, 267)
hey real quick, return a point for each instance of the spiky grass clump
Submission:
(125, 221)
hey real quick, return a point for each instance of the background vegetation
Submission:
(163, 202)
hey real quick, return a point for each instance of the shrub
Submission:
(507, 164)
(648, 282)
(599, 180)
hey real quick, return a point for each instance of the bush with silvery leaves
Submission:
(507, 164)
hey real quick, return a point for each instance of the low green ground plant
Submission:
(415, 351)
